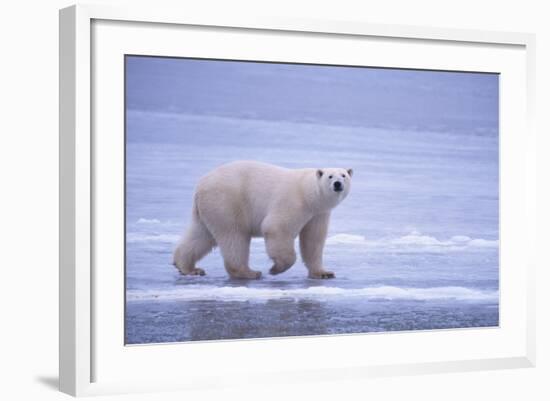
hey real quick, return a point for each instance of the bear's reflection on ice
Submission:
(272, 318)
(210, 319)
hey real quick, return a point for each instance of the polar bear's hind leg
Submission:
(196, 243)
(235, 249)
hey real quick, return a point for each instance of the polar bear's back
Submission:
(245, 176)
(244, 191)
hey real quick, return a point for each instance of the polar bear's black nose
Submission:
(338, 186)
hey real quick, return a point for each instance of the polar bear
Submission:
(245, 199)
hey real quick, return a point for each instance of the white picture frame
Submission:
(86, 354)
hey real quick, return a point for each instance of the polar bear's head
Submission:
(335, 183)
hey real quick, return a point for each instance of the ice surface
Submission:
(241, 293)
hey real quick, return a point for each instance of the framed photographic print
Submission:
(235, 192)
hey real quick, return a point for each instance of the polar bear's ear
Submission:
(319, 173)
(350, 171)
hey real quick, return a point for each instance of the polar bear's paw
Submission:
(321, 274)
(197, 271)
(246, 274)
(276, 269)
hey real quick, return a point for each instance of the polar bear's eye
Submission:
(329, 177)
(343, 175)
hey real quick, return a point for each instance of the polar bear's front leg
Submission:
(312, 243)
(280, 248)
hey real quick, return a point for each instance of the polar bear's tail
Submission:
(195, 210)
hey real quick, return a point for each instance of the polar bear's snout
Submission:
(338, 186)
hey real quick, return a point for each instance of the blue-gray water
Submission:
(414, 246)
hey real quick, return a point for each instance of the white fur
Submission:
(246, 199)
